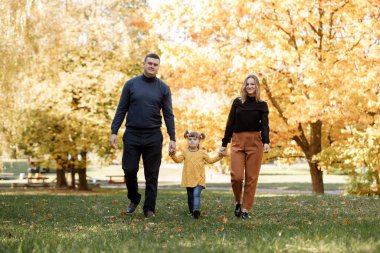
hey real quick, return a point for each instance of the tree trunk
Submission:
(315, 147)
(310, 148)
(61, 179)
(82, 165)
(83, 186)
(61, 165)
(316, 178)
(72, 174)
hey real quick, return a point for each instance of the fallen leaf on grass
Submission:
(221, 229)
(347, 222)
(223, 219)
(78, 228)
(33, 226)
(48, 216)
(249, 225)
(179, 229)
(111, 219)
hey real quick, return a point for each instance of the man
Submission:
(142, 100)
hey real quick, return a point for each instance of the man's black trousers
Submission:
(148, 145)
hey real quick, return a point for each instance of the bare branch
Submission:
(303, 136)
(355, 45)
(282, 29)
(313, 28)
(299, 142)
(332, 18)
(329, 138)
(293, 37)
(274, 101)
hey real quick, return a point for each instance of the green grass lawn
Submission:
(96, 222)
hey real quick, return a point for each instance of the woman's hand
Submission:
(223, 151)
(266, 147)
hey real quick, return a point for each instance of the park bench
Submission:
(6, 176)
(36, 181)
(112, 181)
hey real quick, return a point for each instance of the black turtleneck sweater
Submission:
(250, 116)
(142, 99)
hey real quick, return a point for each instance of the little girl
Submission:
(193, 174)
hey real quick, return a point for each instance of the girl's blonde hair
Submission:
(243, 92)
(197, 135)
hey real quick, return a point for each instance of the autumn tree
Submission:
(316, 61)
(358, 155)
(77, 57)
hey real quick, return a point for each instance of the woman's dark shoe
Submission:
(238, 210)
(245, 216)
(196, 214)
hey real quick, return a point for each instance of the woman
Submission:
(248, 127)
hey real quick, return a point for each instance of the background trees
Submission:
(316, 60)
(64, 63)
(63, 86)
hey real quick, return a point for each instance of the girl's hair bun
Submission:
(200, 136)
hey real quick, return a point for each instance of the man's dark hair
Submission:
(152, 55)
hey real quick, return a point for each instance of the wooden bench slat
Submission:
(111, 181)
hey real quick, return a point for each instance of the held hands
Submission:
(172, 147)
(113, 141)
(223, 151)
(266, 148)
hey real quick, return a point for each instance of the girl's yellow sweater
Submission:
(193, 172)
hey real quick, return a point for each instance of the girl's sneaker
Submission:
(196, 214)
(245, 216)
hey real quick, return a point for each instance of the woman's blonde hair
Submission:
(243, 92)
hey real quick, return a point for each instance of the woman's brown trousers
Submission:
(246, 156)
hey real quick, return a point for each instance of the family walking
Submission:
(142, 100)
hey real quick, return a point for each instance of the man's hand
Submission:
(113, 141)
(266, 148)
(172, 147)
(223, 151)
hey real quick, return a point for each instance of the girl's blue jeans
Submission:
(194, 197)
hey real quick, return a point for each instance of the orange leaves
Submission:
(139, 23)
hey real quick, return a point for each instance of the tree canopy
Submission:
(316, 60)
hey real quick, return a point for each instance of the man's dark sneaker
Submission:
(238, 210)
(245, 216)
(149, 214)
(196, 214)
(131, 208)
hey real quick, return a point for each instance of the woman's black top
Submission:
(248, 116)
